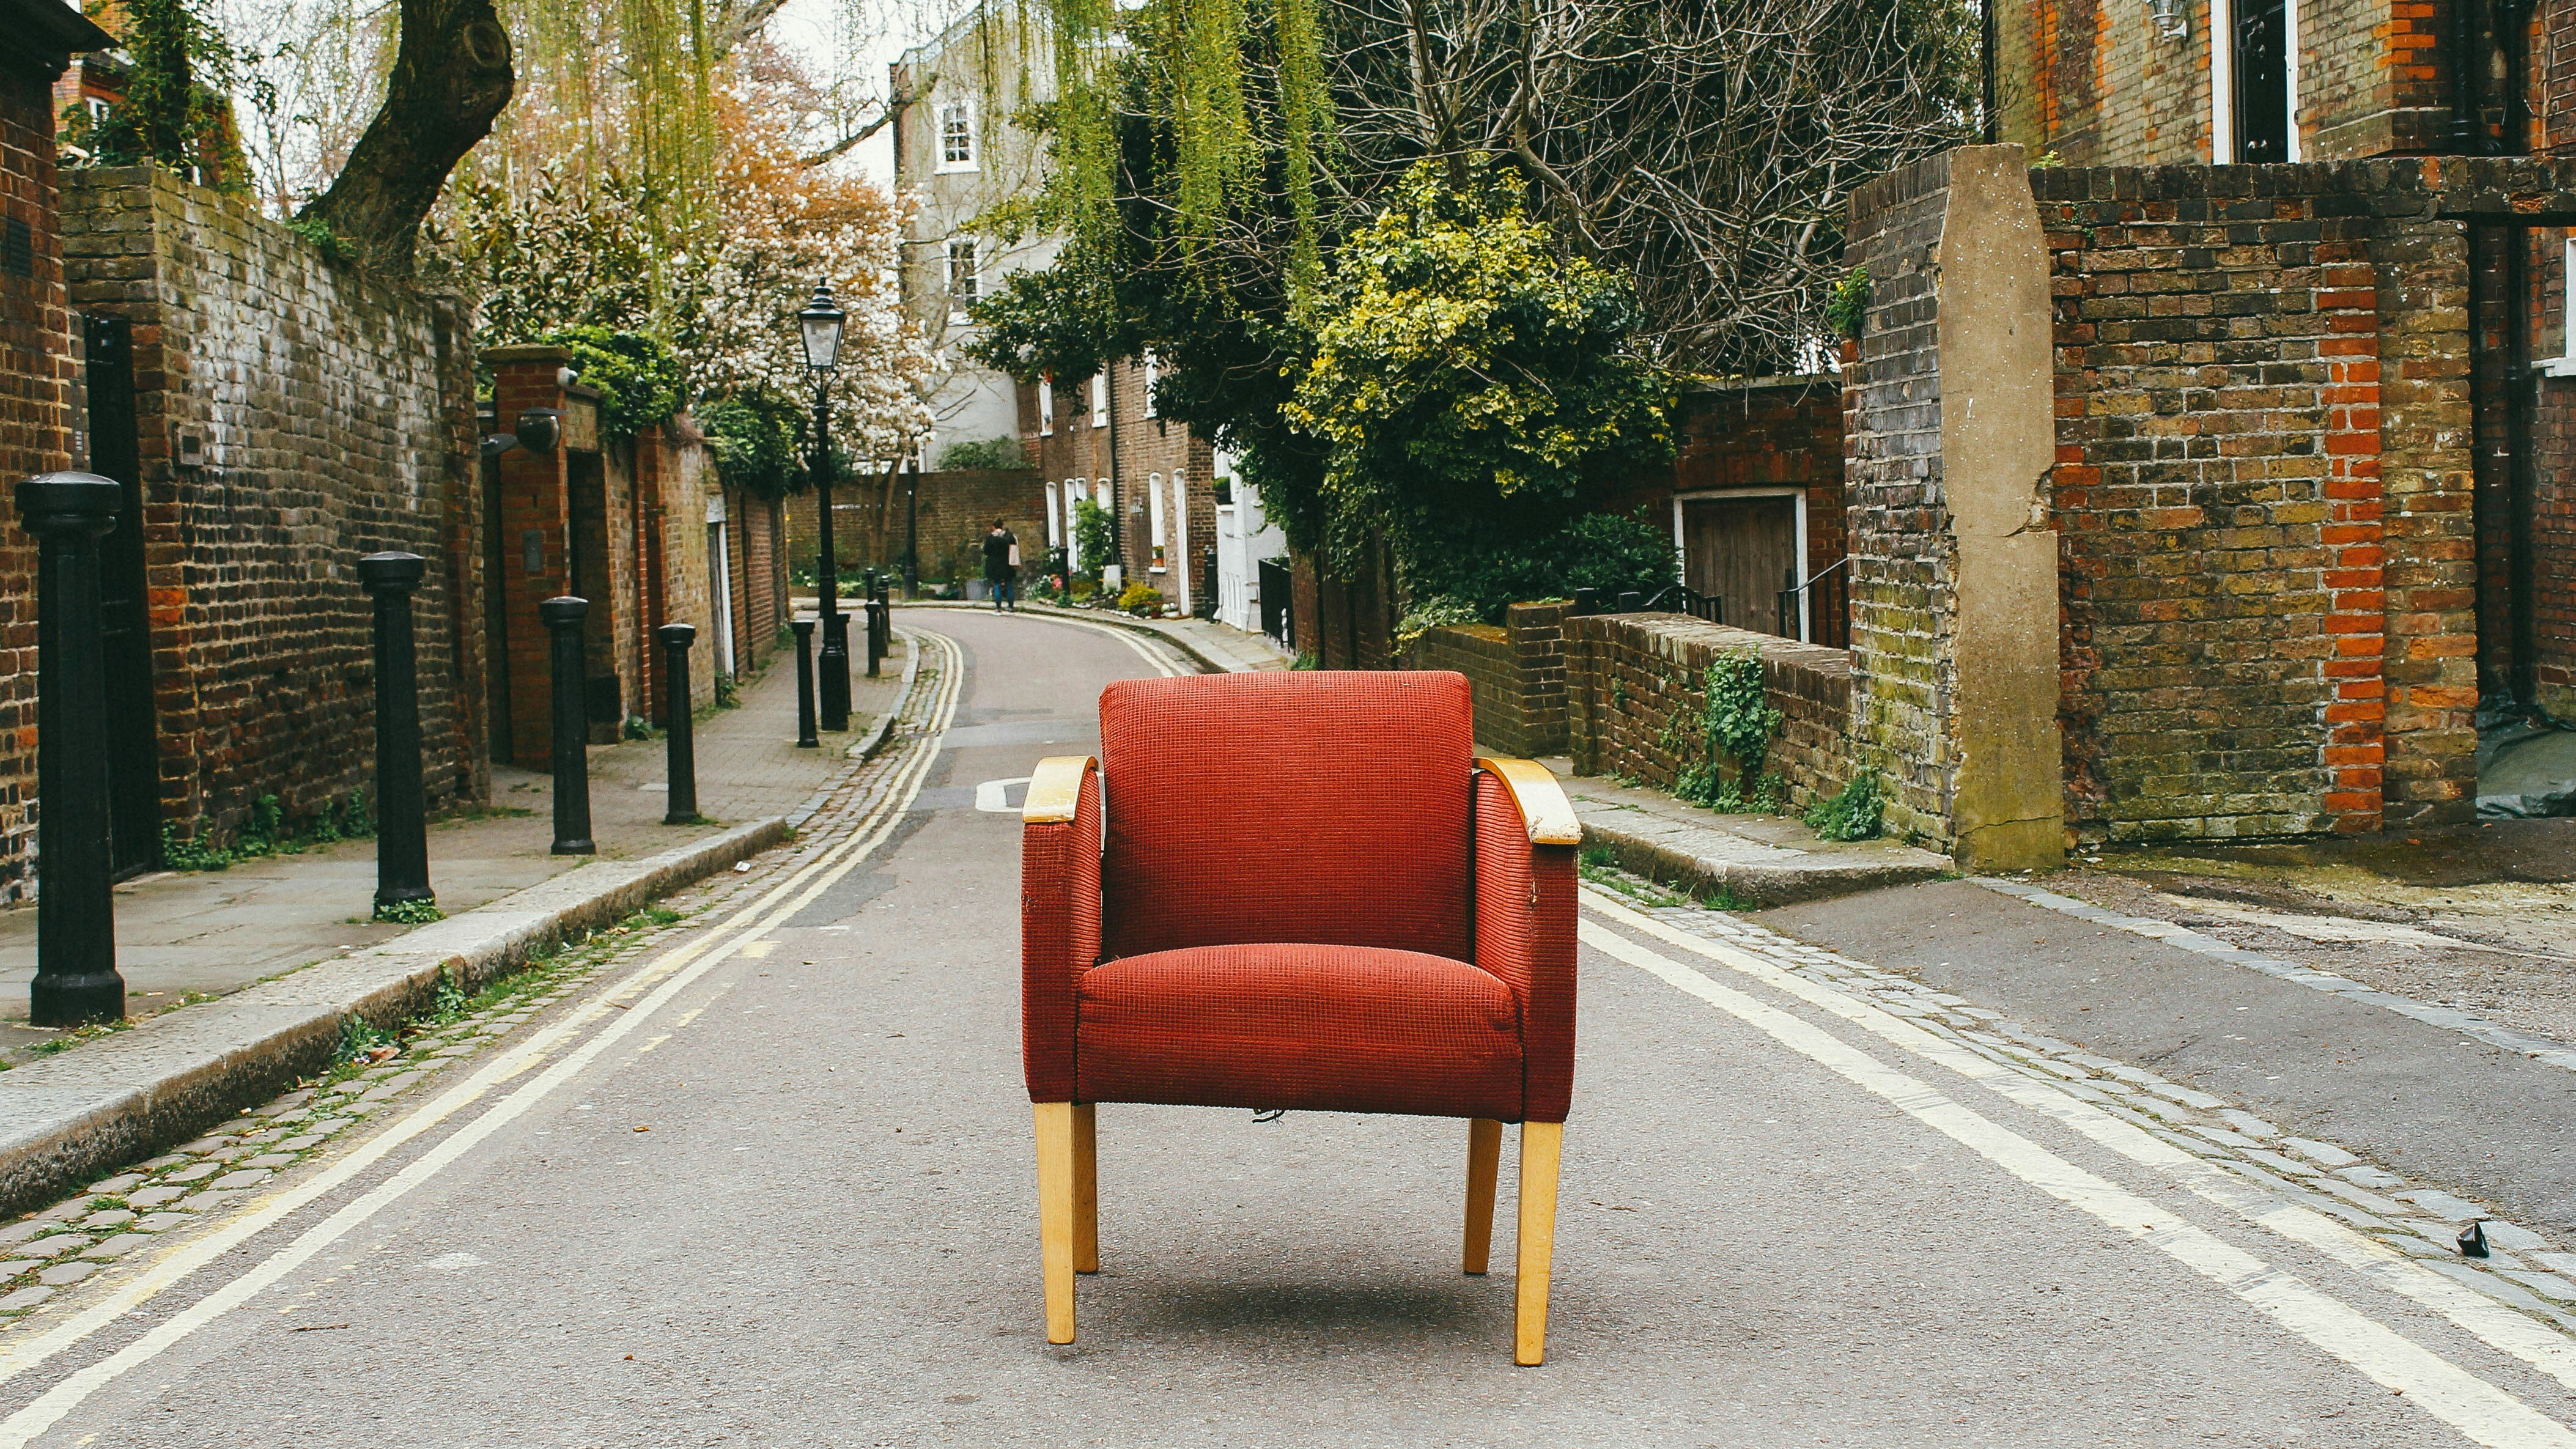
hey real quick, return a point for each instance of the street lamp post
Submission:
(820, 327)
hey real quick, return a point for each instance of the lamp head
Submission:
(820, 326)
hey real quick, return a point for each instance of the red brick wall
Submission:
(336, 417)
(36, 374)
(2266, 573)
(536, 504)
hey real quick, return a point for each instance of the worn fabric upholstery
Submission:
(1317, 1028)
(1324, 807)
(1292, 890)
(1525, 937)
(1059, 936)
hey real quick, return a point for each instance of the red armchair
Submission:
(1401, 939)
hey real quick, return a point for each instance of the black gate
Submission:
(133, 744)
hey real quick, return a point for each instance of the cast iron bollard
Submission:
(833, 687)
(876, 647)
(563, 618)
(884, 621)
(76, 981)
(402, 831)
(805, 685)
(681, 763)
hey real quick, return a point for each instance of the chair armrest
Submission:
(1525, 883)
(1539, 799)
(1059, 915)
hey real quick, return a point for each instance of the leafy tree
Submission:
(1603, 552)
(640, 383)
(1469, 384)
(452, 75)
(173, 111)
(758, 442)
(1091, 536)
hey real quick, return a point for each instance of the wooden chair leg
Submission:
(1086, 1188)
(1484, 1151)
(1056, 1215)
(1541, 1143)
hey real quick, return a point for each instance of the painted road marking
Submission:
(992, 796)
(2479, 1410)
(681, 966)
(2492, 1322)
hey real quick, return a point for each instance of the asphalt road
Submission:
(781, 1192)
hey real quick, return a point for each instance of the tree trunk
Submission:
(451, 77)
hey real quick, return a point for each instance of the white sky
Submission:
(812, 28)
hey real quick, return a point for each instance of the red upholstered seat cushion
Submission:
(1317, 1028)
(1280, 806)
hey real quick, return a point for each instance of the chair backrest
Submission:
(1318, 807)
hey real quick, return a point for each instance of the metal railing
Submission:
(1821, 602)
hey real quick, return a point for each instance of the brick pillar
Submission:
(536, 527)
(1954, 587)
(1537, 636)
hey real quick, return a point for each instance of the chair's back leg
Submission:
(1086, 1188)
(1055, 1215)
(1541, 1142)
(1484, 1152)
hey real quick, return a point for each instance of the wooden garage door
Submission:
(1742, 550)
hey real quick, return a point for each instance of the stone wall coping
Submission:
(528, 352)
(1680, 631)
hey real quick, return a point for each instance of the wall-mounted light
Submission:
(2170, 21)
(540, 429)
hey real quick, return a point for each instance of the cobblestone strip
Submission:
(2448, 1018)
(2524, 1271)
(57, 1247)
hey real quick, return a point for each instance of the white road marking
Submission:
(2492, 1322)
(993, 797)
(1128, 637)
(681, 966)
(2479, 1410)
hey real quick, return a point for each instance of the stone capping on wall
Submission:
(1630, 676)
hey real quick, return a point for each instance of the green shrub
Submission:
(1853, 813)
(1847, 305)
(1091, 535)
(1434, 613)
(410, 913)
(1142, 600)
(639, 380)
(1001, 452)
(1599, 551)
(754, 438)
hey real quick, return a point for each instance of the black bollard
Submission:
(876, 647)
(834, 663)
(402, 829)
(76, 981)
(805, 685)
(563, 618)
(884, 621)
(681, 762)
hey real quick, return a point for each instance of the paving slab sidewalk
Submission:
(286, 944)
(1764, 860)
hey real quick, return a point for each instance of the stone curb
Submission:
(69, 1118)
(1208, 663)
(1692, 858)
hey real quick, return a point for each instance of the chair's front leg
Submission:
(1541, 1142)
(1055, 1215)
(1484, 1154)
(1086, 1187)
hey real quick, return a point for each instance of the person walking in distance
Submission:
(1002, 567)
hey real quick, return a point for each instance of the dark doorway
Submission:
(496, 606)
(592, 571)
(133, 744)
(1742, 550)
(2262, 81)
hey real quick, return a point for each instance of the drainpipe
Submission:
(2464, 80)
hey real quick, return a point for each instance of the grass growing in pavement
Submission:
(1599, 866)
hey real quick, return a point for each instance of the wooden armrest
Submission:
(1055, 788)
(1543, 806)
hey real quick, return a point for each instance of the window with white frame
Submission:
(965, 277)
(1154, 516)
(2254, 81)
(1055, 519)
(957, 137)
(1046, 405)
(1100, 398)
(1153, 375)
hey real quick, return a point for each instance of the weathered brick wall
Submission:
(1904, 551)
(1516, 672)
(336, 416)
(1149, 448)
(955, 508)
(2265, 570)
(36, 423)
(2097, 85)
(1636, 690)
